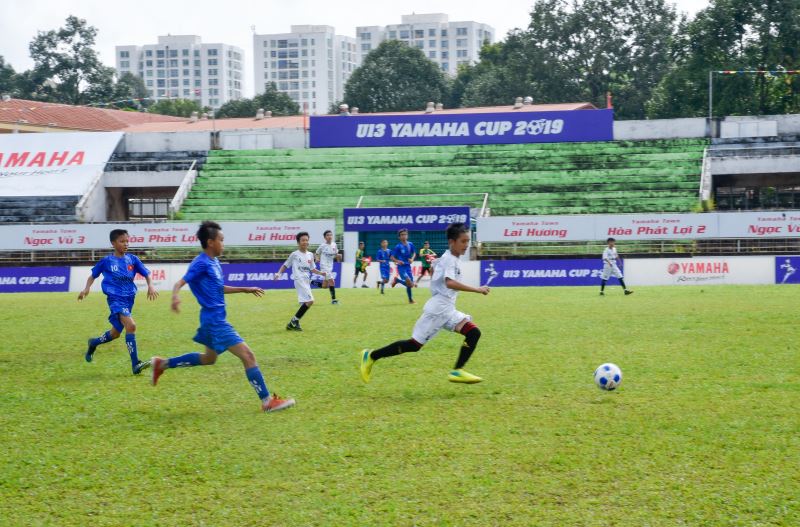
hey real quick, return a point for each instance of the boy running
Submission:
(403, 256)
(325, 255)
(204, 277)
(384, 258)
(440, 312)
(361, 265)
(302, 264)
(426, 256)
(610, 267)
(118, 270)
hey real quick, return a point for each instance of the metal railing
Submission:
(150, 165)
(183, 190)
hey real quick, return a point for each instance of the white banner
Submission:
(53, 164)
(163, 277)
(778, 224)
(95, 235)
(701, 271)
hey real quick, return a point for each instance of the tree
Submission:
(67, 57)
(271, 100)
(130, 86)
(8, 78)
(176, 107)
(395, 77)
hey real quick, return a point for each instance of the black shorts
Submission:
(424, 269)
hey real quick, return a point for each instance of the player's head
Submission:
(402, 235)
(302, 240)
(211, 237)
(458, 237)
(360, 245)
(119, 240)
(384, 244)
(328, 236)
(426, 244)
(611, 242)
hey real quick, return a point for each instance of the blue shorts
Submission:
(404, 273)
(119, 305)
(386, 273)
(218, 336)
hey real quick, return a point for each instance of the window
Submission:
(173, 53)
(304, 42)
(149, 63)
(186, 93)
(419, 33)
(212, 72)
(404, 33)
(184, 52)
(419, 44)
(212, 52)
(283, 44)
(445, 54)
(124, 64)
(392, 35)
(185, 73)
(461, 31)
(173, 83)
(444, 32)
(364, 36)
(160, 63)
(366, 47)
(432, 54)
(161, 83)
(186, 82)
(461, 53)
(148, 53)
(185, 62)
(161, 73)
(432, 32)
(173, 73)
(197, 73)
(124, 55)
(461, 42)
(149, 84)
(212, 62)
(196, 53)
(173, 63)
(213, 82)
(431, 43)
(445, 43)
(197, 83)
(445, 66)
(160, 53)
(149, 73)
(197, 63)
(161, 93)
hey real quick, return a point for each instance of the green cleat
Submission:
(366, 365)
(463, 376)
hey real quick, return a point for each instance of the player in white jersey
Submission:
(789, 270)
(301, 262)
(440, 312)
(326, 254)
(610, 267)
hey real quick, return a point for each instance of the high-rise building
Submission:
(310, 63)
(449, 44)
(182, 67)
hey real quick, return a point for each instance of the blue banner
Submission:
(34, 279)
(462, 129)
(263, 275)
(412, 218)
(786, 269)
(526, 273)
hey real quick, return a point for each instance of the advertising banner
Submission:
(413, 218)
(702, 270)
(461, 129)
(34, 279)
(95, 236)
(786, 268)
(526, 273)
(53, 164)
(263, 275)
(639, 227)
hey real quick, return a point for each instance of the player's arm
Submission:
(314, 270)
(83, 294)
(458, 286)
(230, 289)
(176, 299)
(152, 294)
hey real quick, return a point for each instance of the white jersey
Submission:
(442, 297)
(301, 264)
(327, 254)
(610, 253)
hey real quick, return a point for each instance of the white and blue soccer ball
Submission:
(608, 376)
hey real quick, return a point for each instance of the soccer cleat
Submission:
(463, 376)
(602, 293)
(159, 366)
(628, 292)
(140, 367)
(364, 286)
(412, 301)
(294, 326)
(335, 302)
(90, 351)
(276, 404)
(394, 282)
(366, 365)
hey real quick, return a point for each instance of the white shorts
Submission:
(429, 324)
(303, 292)
(328, 272)
(611, 270)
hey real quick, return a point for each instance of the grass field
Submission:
(704, 430)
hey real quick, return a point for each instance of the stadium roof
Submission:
(34, 116)
(297, 121)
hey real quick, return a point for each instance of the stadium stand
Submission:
(565, 178)
(29, 209)
(156, 161)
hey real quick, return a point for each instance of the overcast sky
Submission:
(230, 21)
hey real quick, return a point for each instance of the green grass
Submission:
(703, 431)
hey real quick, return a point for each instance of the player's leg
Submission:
(130, 343)
(331, 285)
(187, 360)
(604, 278)
(409, 281)
(108, 336)
(368, 357)
(471, 336)
(269, 403)
(621, 279)
(364, 281)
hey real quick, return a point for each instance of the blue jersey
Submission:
(384, 254)
(118, 274)
(204, 277)
(404, 253)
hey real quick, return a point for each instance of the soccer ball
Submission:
(608, 376)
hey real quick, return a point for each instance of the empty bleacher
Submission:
(31, 209)
(156, 161)
(535, 179)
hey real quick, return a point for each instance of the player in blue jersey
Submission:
(403, 256)
(384, 258)
(204, 277)
(118, 270)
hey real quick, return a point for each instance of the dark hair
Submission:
(116, 233)
(300, 235)
(455, 230)
(426, 241)
(387, 241)
(401, 231)
(209, 230)
(326, 233)
(362, 242)
(610, 240)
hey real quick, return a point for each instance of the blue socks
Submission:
(189, 359)
(257, 382)
(130, 342)
(408, 292)
(102, 339)
(382, 284)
